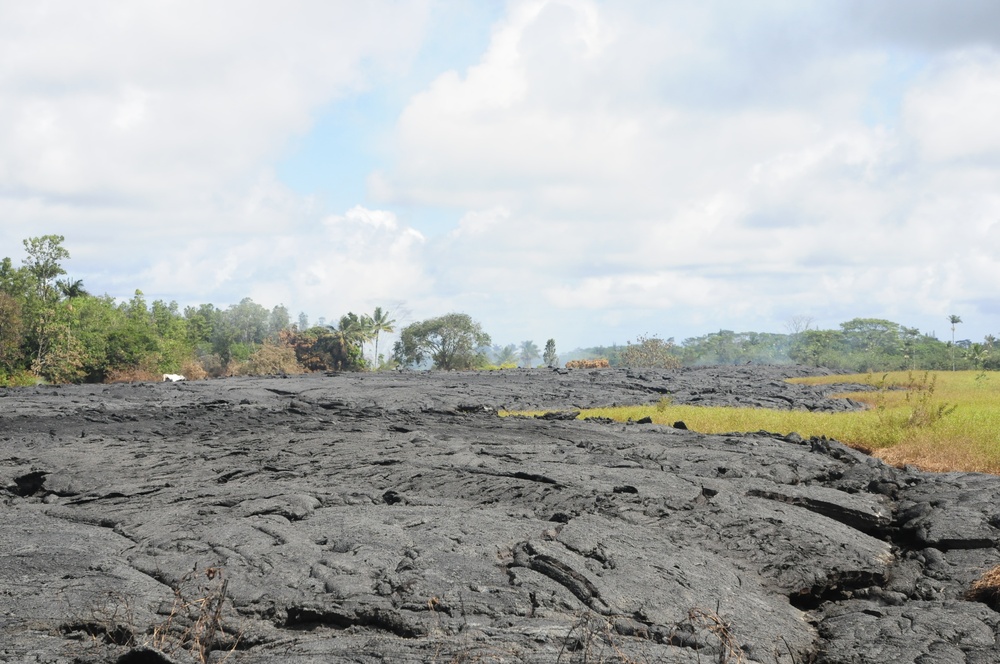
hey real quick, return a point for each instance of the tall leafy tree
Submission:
(97, 321)
(201, 323)
(549, 357)
(280, 320)
(452, 341)
(134, 342)
(820, 348)
(11, 333)
(13, 280)
(875, 342)
(48, 334)
(44, 262)
(249, 321)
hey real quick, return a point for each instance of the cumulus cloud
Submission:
(600, 168)
(951, 113)
(681, 161)
(353, 261)
(135, 128)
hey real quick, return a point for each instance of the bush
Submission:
(192, 370)
(270, 359)
(650, 353)
(19, 379)
(211, 364)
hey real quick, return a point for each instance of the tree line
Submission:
(859, 345)
(53, 330)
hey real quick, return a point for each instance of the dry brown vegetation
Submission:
(270, 359)
(588, 364)
(986, 588)
(193, 370)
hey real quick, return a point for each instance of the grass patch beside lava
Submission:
(939, 421)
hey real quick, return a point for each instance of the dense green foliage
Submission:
(859, 345)
(55, 331)
(452, 341)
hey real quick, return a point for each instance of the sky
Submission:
(572, 169)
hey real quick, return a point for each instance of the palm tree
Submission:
(954, 320)
(529, 352)
(71, 289)
(352, 332)
(380, 322)
(505, 355)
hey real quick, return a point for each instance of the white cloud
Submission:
(602, 166)
(145, 133)
(616, 134)
(355, 261)
(952, 114)
(482, 222)
(175, 106)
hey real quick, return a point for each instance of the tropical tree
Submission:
(977, 354)
(505, 355)
(71, 289)
(355, 329)
(352, 332)
(452, 341)
(381, 323)
(954, 320)
(549, 357)
(529, 353)
(43, 262)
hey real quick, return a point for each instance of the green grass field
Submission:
(934, 420)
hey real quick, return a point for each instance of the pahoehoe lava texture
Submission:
(395, 517)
